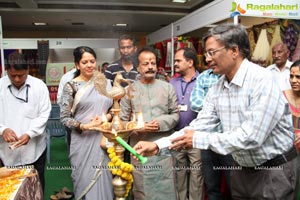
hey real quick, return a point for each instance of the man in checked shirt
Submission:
(256, 121)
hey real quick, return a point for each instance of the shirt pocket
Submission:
(30, 111)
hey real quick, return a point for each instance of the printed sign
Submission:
(273, 9)
(54, 72)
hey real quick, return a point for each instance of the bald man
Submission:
(281, 65)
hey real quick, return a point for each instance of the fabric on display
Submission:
(262, 49)
(251, 40)
(290, 39)
(296, 55)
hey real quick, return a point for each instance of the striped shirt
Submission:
(255, 116)
(113, 69)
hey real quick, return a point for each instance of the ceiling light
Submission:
(120, 25)
(179, 1)
(39, 23)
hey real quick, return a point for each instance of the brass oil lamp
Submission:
(118, 131)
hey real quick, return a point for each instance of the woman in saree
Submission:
(293, 97)
(81, 106)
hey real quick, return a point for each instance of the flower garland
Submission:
(120, 168)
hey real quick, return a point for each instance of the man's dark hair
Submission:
(147, 49)
(105, 63)
(190, 54)
(127, 37)
(296, 64)
(16, 61)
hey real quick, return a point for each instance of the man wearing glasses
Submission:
(127, 64)
(255, 117)
(25, 107)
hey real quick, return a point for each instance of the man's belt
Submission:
(281, 159)
(278, 160)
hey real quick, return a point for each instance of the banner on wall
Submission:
(269, 8)
(54, 72)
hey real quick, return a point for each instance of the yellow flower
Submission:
(114, 159)
(114, 171)
(123, 166)
(119, 172)
(125, 175)
(118, 162)
(110, 150)
(112, 154)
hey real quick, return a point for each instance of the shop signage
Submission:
(275, 8)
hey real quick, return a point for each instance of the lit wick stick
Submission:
(140, 121)
(104, 119)
(130, 149)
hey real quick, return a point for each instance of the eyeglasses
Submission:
(211, 53)
(24, 100)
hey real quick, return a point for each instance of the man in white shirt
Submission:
(64, 79)
(281, 66)
(25, 107)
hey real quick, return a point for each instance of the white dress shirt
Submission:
(64, 79)
(24, 117)
(282, 76)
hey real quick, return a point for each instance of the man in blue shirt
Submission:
(185, 62)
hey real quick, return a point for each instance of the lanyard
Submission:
(24, 100)
(183, 91)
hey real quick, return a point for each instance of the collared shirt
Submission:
(255, 116)
(112, 70)
(64, 79)
(204, 81)
(183, 91)
(156, 101)
(282, 76)
(24, 117)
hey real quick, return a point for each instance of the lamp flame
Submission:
(114, 132)
(133, 117)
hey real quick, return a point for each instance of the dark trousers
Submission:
(39, 165)
(212, 165)
(273, 183)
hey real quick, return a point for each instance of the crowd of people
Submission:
(235, 121)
